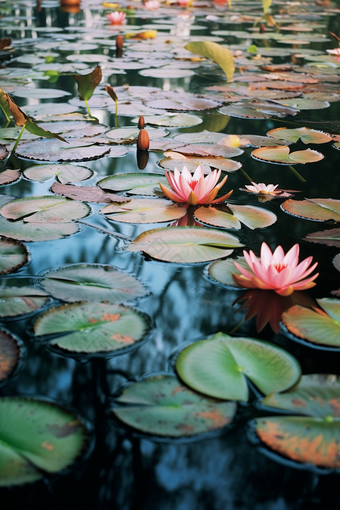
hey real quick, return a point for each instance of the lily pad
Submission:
(45, 209)
(304, 134)
(222, 271)
(63, 173)
(330, 237)
(251, 216)
(93, 327)
(10, 353)
(9, 176)
(130, 134)
(89, 282)
(37, 438)
(47, 93)
(179, 160)
(180, 120)
(282, 155)
(185, 244)
(57, 151)
(165, 72)
(134, 184)
(316, 209)
(320, 326)
(162, 406)
(23, 231)
(86, 193)
(13, 255)
(145, 210)
(185, 105)
(16, 301)
(218, 367)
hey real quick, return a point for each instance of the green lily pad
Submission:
(319, 326)
(40, 93)
(217, 367)
(57, 151)
(304, 134)
(36, 438)
(10, 353)
(282, 155)
(134, 184)
(317, 209)
(22, 231)
(93, 327)
(130, 134)
(63, 173)
(185, 244)
(13, 255)
(222, 271)
(306, 104)
(181, 120)
(16, 301)
(251, 216)
(44, 209)
(166, 72)
(163, 406)
(177, 160)
(145, 210)
(88, 282)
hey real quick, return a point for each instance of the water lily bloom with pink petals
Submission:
(262, 188)
(116, 18)
(194, 189)
(276, 271)
(151, 5)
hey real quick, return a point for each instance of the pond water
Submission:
(100, 406)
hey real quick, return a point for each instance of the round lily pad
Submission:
(320, 326)
(22, 231)
(58, 151)
(222, 271)
(218, 365)
(185, 244)
(63, 173)
(37, 438)
(16, 301)
(304, 134)
(134, 184)
(94, 328)
(177, 160)
(11, 351)
(130, 134)
(180, 120)
(161, 405)
(47, 93)
(145, 210)
(164, 72)
(316, 209)
(251, 216)
(13, 255)
(91, 282)
(9, 176)
(282, 156)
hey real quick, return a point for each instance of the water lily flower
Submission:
(194, 189)
(116, 18)
(276, 271)
(233, 141)
(151, 5)
(261, 187)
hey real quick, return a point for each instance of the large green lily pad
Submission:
(134, 184)
(22, 231)
(304, 134)
(63, 173)
(185, 244)
(217, 367)
(36, 438)
(233, 215)
(92, 327)
(90, 282)
(145, 210)
(10, 353)
(16, 301)
(282, 155)
(13, 255)
(222, 271)
(318, 209)
(163, 406)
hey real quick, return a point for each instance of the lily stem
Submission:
(18, 139)
(246, 175)
(296, 173)
(88, 108)
(236, 327)
(5, 114)
(116, 107)
(109, 232)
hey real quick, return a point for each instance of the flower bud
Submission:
(142, 159)
(143, 140)
(119, 46)
(141, 122)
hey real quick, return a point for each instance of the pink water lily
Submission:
(194, 189)
(261, 187)
(276, 271)
(116, 17)
(151, 5)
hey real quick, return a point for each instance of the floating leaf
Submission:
(304, 134)
(9, 176)
(37, 437)
(88, 282)
(162, 406)
(87, 83)
(222, 271)
(3, 155)
(329, 237)
(64, 173)
(10, 353)
(180, 120)
(283, 156)
(130, 134)
(16, 301)
(47, 150)
(184, 105)
(92, 327)
(217, 367)
(145, 210)
(134, 184)
(13, 255)
(207, 150)
(185, 244)
(44, 209)
(219, 54)
(321, 327)
(317, 209)
(166, 72)
(179, 160)
(23, 231)
(86, 193)
(252, 217)
(47, 93)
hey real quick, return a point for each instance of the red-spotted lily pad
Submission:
(145, 210)
(312, 438)
(161, 405)
(93, 327)
(281, 155)
(89, 282)
(63, 173)
(10, 353)
(220, 365)
(317, 209)
(44, 209)
(304, 134)
(16, 301)
(320, 326)
(185, 244)
(13, 255)
(232, 215)
(37, 437)
(134, 184)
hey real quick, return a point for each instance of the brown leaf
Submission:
(86, 193)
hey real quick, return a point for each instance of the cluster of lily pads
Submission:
(82, 308)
